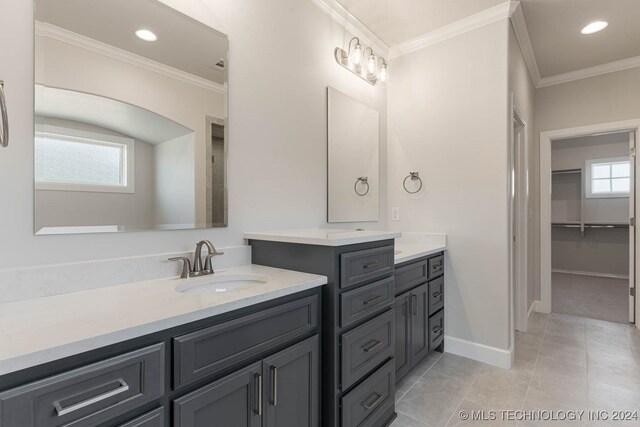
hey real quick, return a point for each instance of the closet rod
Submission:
(566, 171)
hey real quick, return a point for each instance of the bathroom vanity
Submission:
(250, 357)
(358, 316)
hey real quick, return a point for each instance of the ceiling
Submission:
(127, 119)
(183, 43)
(554, 28)
(396, 21)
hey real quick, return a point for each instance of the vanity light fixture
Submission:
(146, 35)
(594, 27)
(362, 62)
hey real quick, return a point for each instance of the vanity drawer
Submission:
(150, 419)
(436, 295)
(366, 347)
(436, 330)
(365, 404)
(360, 266)
(213, 349)
(361, 302)
(436, 266)
(410, 276)
(88, 396)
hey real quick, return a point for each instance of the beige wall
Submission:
(277, 129)
(448, 120)
(524, 93)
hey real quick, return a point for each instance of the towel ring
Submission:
(4, 137)
(365, 181)
(414, 176)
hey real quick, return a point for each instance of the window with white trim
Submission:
(608, 178)
(72, 160)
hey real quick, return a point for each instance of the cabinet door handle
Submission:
(258, 384)
(372, 300)
(61, 411)
(372, 346)
(371, 265)
(415, 305)
(4, 137)
(274, 386)
(408, 306)
(377, 398)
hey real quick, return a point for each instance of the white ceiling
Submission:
(554, 28)
(396, 21)
(183, 43)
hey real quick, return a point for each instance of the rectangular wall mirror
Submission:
(130, 118)
(353, 169)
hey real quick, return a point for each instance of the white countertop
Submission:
(412, 246)
(409, 252)
(44, 329)
(323, 237)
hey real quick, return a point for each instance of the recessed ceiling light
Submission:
(594, 27)
(146, 35)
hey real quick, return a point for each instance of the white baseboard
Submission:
(480, 352)
(532, 308)
(589, 273)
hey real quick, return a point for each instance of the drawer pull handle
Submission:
(123, 387)
(438, 330)
(437, 294)
(438, 267)
(372, 300)
(372, 265)
(372, 346)
(258, 378)
(274, 386)
(377, 398)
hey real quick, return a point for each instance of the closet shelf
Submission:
(566, 171)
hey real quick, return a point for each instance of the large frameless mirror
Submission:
(353, 170)
(130, 118)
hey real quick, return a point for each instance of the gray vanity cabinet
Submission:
(280, 391)
(292, 386)
(419, 326)
(358, 326)
(419, 322)
(232, 401)
(257, 366)
(403, 340)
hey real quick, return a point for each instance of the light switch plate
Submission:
(395, 214)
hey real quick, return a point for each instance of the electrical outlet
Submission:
(395, 214)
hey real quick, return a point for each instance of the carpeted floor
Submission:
(592, 297)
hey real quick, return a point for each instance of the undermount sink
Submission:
(221, 284)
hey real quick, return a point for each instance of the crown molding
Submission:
(585, 73)
(66, 36)
(470, 23)
(352, 24)
(519, 25)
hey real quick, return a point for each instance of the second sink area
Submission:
(221, 283)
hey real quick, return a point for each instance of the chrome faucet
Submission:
(197, 269)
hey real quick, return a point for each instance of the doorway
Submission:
(519, 221)
(588, 205)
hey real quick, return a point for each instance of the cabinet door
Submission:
(233, 401)
(292, 386)
(403, 339)
(419, 323)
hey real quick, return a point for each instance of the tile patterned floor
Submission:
(600, 298)
(562, 363)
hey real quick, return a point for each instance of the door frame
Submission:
(519, 203)
(546, 139)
